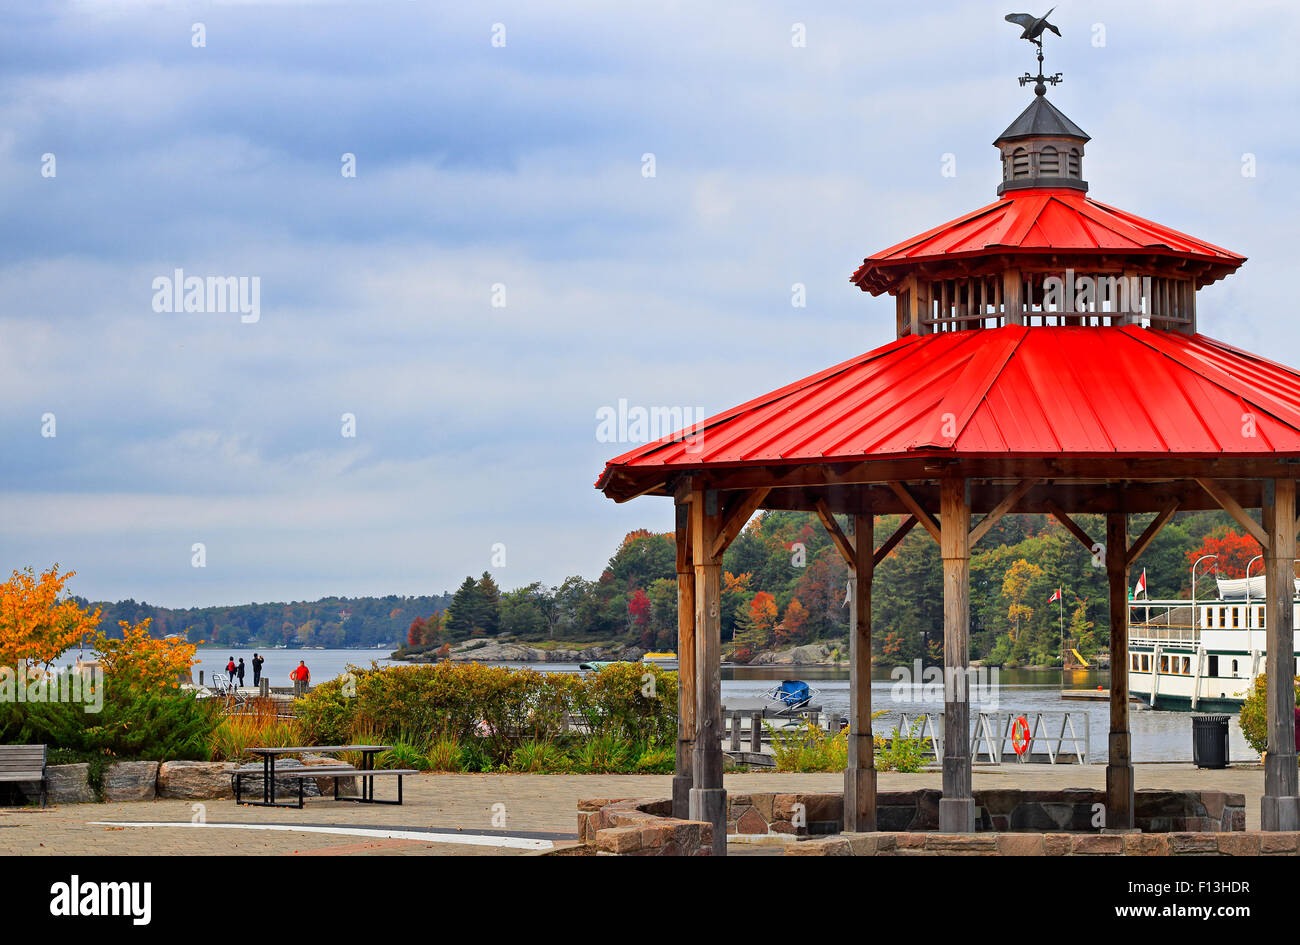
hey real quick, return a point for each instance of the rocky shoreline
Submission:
(831, 653)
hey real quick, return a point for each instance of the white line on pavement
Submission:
(514, 843)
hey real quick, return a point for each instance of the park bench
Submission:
(24, 764)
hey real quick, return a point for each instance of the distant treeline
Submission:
(784, 584)
(329, 622)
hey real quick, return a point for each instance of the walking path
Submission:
(473, 814)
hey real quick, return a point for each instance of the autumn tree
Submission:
(38, 621)
(139, 660)
(1015, 587)
(1234, 553)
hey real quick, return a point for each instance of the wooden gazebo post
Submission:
(957, 806)
(1280, 806)
(686, 694)
(708, 798)
(860, 770)
(1119, 764)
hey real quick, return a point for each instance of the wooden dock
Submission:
(1092, 695)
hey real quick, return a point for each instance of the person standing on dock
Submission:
(257, 670)
(239, 671)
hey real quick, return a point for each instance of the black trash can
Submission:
(1210, 741)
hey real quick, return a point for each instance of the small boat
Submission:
(660, 659)
(791, 696)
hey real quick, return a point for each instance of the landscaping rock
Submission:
(197, 780)
(68, 784)
(130, 781)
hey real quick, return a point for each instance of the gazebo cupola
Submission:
(1045, 253)
(1042, 148)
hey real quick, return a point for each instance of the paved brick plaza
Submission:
(536, 807)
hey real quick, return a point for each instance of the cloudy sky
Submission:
(210, 137)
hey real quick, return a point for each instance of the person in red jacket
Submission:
(301, 672)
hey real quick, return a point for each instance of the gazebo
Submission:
(1047, 360)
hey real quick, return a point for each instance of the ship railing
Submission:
(1164, 633)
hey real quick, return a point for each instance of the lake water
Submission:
(1157, 735)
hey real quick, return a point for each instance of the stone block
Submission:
(1238, 844)
(1098, 845)
(1278, 843)
(68, 784)
(1020, 844)
(1193, 844)
(130, 781)
(1146, 844)
(195, 780)
(621, 840)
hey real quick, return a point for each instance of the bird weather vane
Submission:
(1033, 27)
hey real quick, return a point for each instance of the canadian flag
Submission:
(1141, 589)
(1055, 597)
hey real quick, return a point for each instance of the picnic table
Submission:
(269, 755)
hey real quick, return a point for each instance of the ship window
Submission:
(1146, 663)
(1187, 666)
(1213, 668)
(1223, 618)
(1236, 617)
(1135, 662)
(1234, 667)
(1164, 664)
(1260, 618)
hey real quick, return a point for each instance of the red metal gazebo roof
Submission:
(1037, 221)
(1009, 391)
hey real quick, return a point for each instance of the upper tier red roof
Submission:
(1037, 221)
(1005, 391)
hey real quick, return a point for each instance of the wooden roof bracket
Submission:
(1229, 505)
(1001, 509)
(912, 505)
(1071, 526)
(842, 542)
(736, 517)
(905, 526)
(1157, 523)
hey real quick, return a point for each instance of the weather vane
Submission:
(1033, 31)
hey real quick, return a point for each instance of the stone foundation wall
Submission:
(640, 827)
(1236, 843)
(1072, 809)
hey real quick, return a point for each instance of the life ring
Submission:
(1020, 735)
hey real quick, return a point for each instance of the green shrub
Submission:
(403, 755)
(602, 754)
(444, 754)
(487, 712)
(901, 751)
(134, 724)
(539, 757)
(809, 747)
(1254, 714)
(651, 759)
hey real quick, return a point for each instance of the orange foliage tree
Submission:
(38, 622)
(1234, 551)
(140, 660)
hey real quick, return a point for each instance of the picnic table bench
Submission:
(367, 773)
(23, 764)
